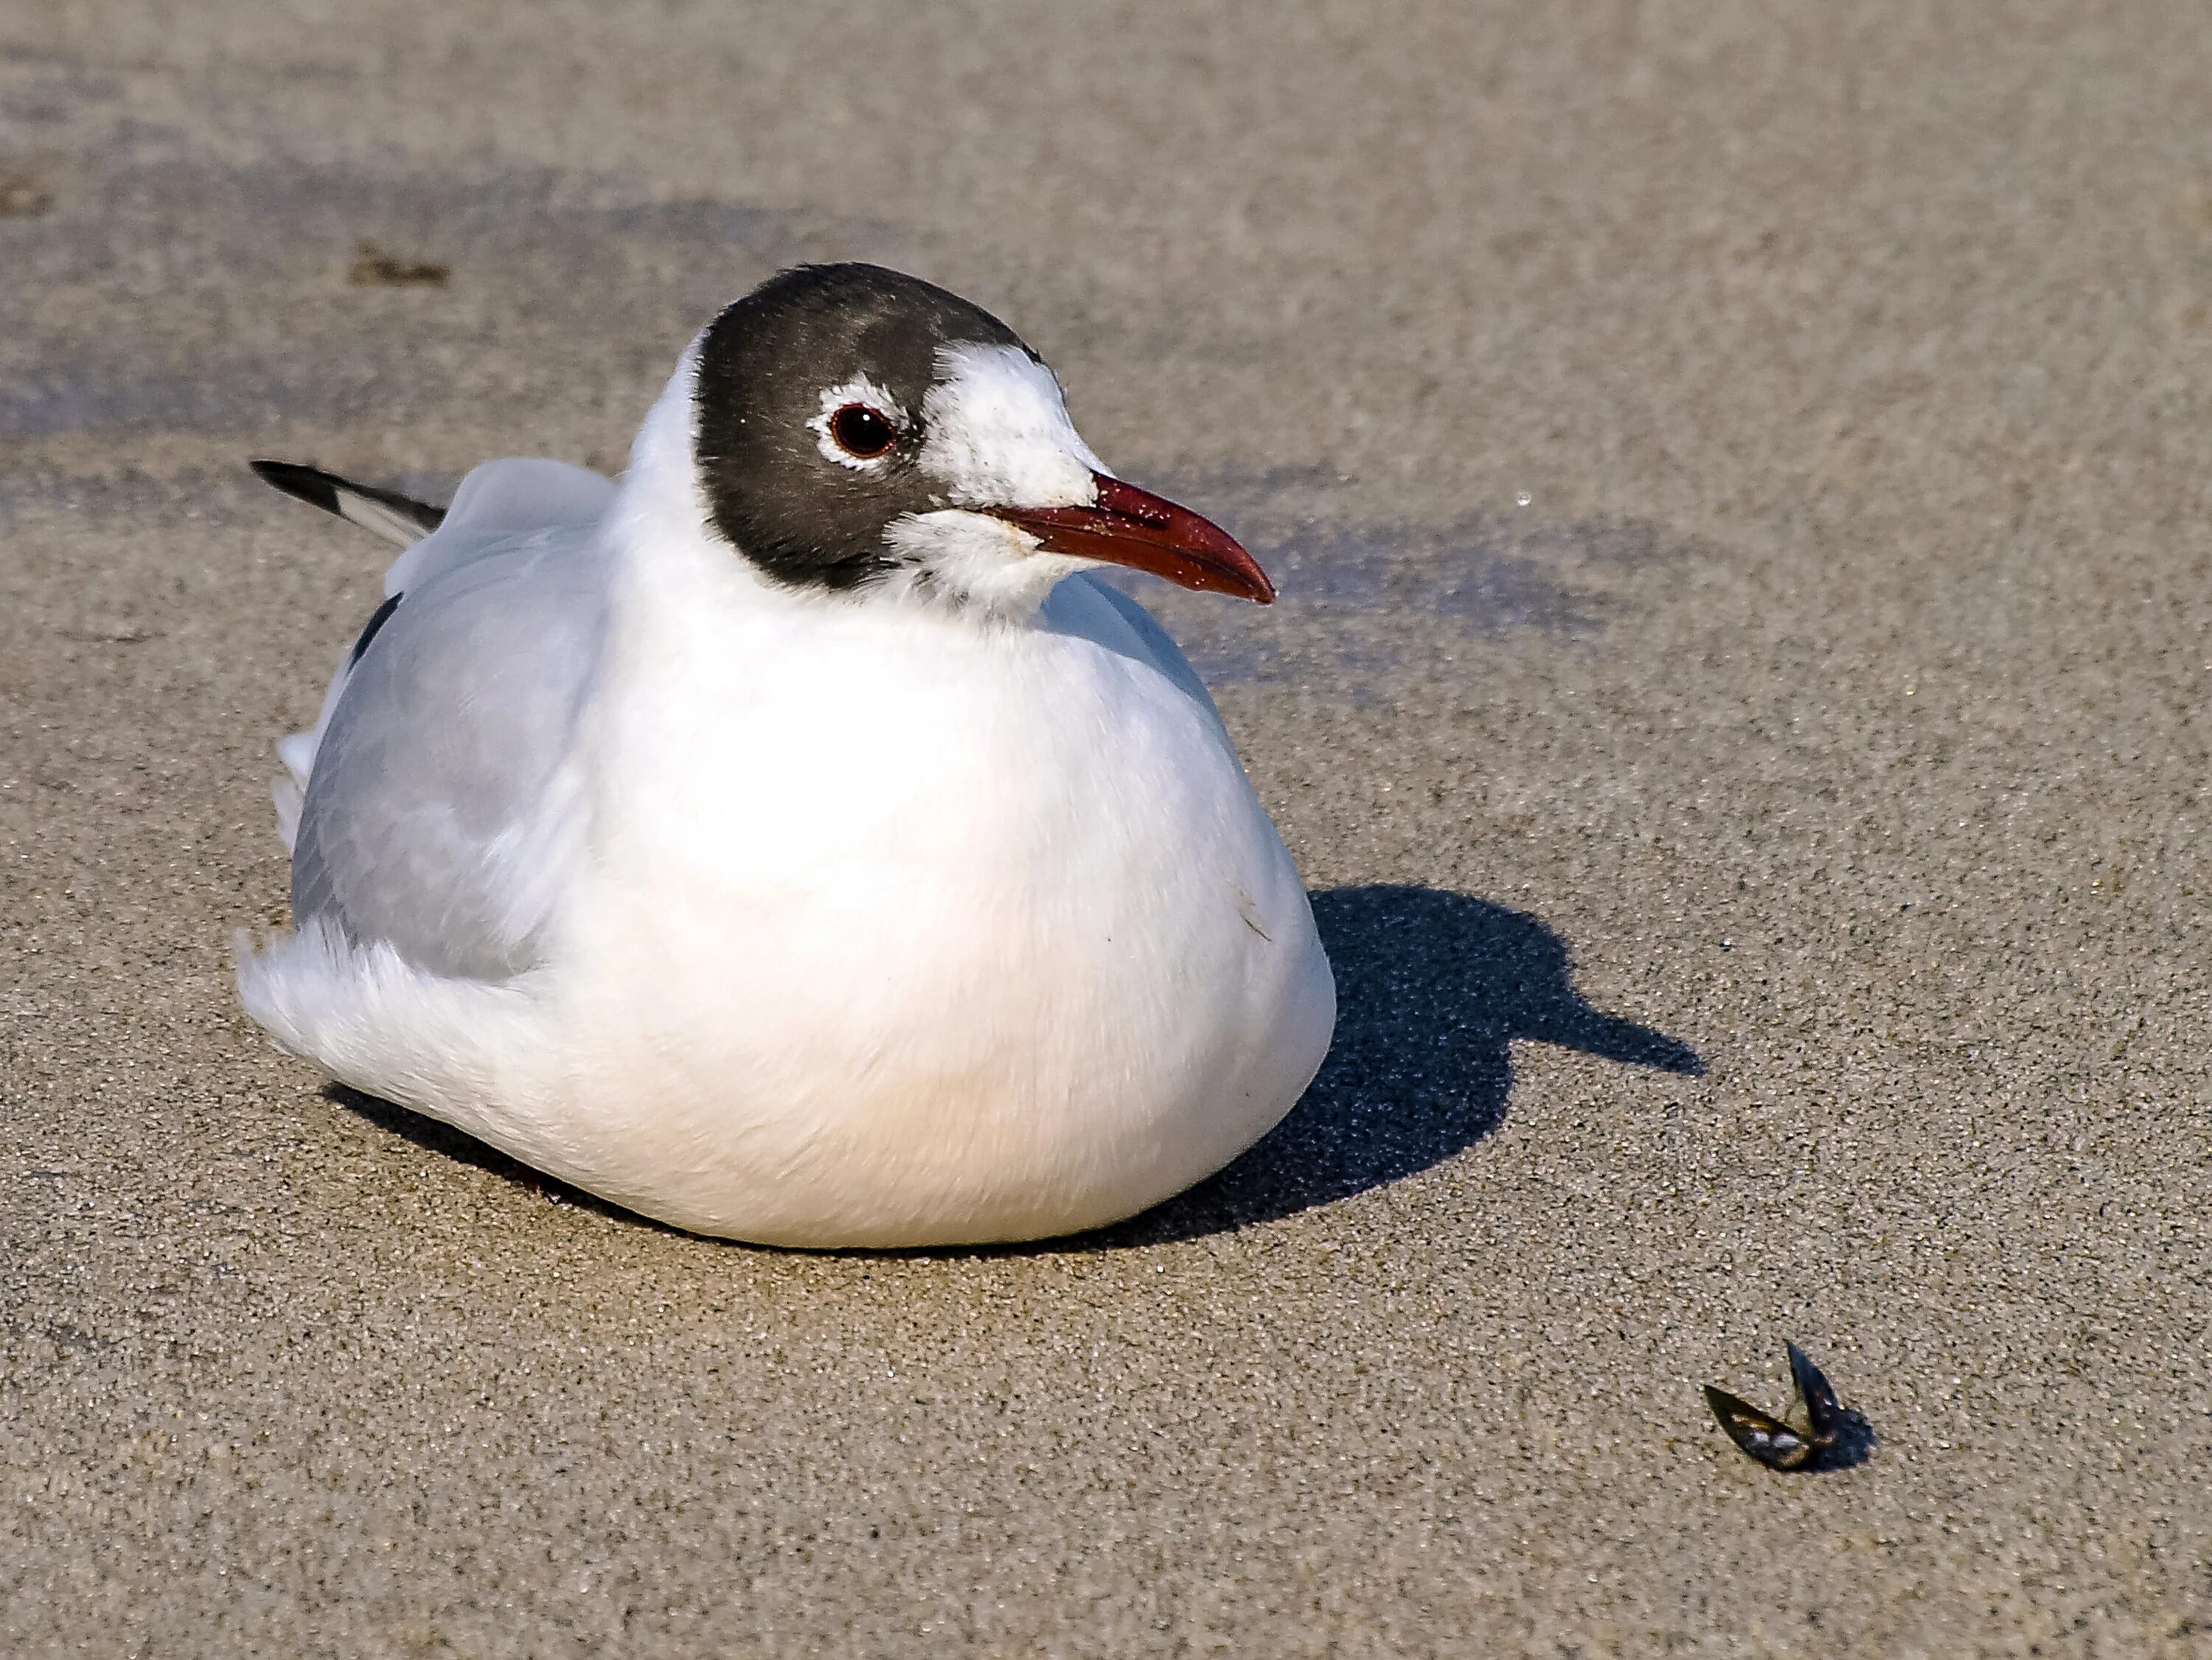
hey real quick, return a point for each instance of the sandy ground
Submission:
(1737, 476)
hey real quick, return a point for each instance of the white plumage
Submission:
(939, 912)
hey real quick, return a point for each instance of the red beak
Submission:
(1134, 527)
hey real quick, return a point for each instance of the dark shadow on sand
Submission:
(1433, 990)
(433, 1135)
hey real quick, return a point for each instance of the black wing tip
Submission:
(309, 484)
(377, 619)
(319, 489)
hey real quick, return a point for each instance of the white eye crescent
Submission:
(860, 424)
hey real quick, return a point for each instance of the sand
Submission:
(1738, 485)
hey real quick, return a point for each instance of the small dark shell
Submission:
(1767, 1440)
(1816, 1405)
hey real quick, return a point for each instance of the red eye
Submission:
(862, 431)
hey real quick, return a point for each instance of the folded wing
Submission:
(433, 808)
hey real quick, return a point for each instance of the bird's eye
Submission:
(862, 431)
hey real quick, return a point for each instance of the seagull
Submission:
(795, 840)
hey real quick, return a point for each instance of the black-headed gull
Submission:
(791, 841)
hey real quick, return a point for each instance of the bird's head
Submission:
(859, 431)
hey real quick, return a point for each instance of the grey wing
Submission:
(436, 806)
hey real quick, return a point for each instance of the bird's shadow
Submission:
(1432, 990)
(435, 1136)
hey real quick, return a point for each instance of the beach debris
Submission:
(22, 195)
(373, 268)
(1809, 1426)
